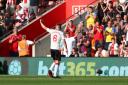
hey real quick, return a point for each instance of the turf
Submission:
(41, 80)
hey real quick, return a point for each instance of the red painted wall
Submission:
(34, 30)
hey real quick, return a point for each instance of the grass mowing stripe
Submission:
(33, 80)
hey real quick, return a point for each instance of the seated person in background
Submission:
(126, 51)
(74, 53)
(122, 49)
(84, 47)
(80, 46)
(113, 48)
(101, 52)
(23, 46)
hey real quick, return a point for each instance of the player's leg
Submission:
(50, 73)
(56, 68)
(57, 62)
(52, 66)
(53, 54)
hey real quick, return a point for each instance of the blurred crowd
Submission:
(20, 12)
(104, 33)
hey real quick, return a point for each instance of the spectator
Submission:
(80, 46)
(69, 41)
(90, 35)
(3, 6)
(120, 32)
(88, 47)
(13, 42)
(84, 47)
(1, 68)
(101, 52)
(100, 7)
(74, 53)
(126, 33)
(113, 48)
(34, 7)
(119, 20)
(123, 8)
(2, 25)
(90, 17)
(71, 28)
(89, 32)
(32, 16)
(80, 31)
(17, 23)
(124, 21)
(110, 11)
(11, 6)
(9, 21)
(5, 67)
(19, 13)
(23, 46)
(98, 34)
(109, 34)
(24, 9)
(124, 39)
(18, 2)
(126, 51)
(122, 49)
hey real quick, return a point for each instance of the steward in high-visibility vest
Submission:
(23, 46)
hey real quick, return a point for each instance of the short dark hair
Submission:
(126, 45)
(112, 38)
(59, 26)
(24, 36)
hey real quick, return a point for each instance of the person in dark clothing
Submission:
(1, 69)
(5, 67)
(123, 9)
(100, 7)
(3, 5)
(74, 53)
(18, 2)
(34, 7)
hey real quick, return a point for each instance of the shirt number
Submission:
(54, 38)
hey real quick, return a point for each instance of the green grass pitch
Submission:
(41, 80)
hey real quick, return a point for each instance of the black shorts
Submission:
(55, 54)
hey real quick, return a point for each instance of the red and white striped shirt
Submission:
(113, 49)
(11, 2)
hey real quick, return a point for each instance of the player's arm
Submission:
(42, 25)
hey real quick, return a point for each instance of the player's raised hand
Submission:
(41, 21)
(42, 25)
